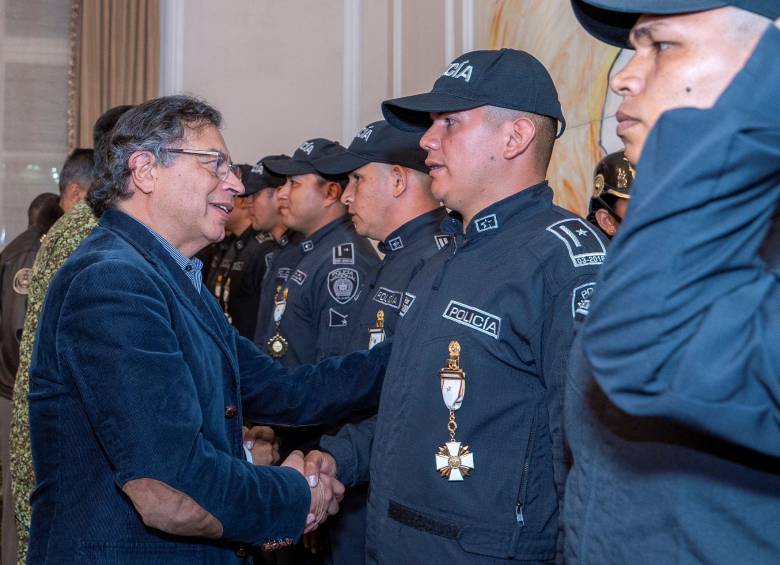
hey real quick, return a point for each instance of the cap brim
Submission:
(341, 164)
(412, 113)
(289, 167)
(611, 20)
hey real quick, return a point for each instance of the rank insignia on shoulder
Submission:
(442, 240)
(336, 319)
(582, 243)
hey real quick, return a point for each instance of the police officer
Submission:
(16, 263)
(240, 280)
(313, 310)
(466, 462)
(612, 181)
(671, 404)
(389, 199)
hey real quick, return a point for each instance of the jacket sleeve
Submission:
(351, 448)
(686, 321)
(115, 338)
(325, 393)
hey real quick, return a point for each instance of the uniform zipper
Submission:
(524, 482)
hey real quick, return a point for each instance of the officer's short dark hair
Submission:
(342, 180)
(44, 210)
(79, 167)
(153, 126)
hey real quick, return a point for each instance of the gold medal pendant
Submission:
(377, 334)
(454, 461)
(277, 346)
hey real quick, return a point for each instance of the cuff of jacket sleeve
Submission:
(342, 452)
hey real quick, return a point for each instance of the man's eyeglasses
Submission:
(222, 165)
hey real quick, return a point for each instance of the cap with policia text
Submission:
(506, 78)
(302, 161)
(256, 178)
(612, 20)
(378, 142)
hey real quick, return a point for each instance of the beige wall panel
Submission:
(423, 45)
(274, 68)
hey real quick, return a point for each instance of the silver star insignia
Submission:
(581, 232)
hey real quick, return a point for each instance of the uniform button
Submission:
(230, 411)
(242, 551)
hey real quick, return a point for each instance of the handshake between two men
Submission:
(317, 467)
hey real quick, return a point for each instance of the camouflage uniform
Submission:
(57, 245)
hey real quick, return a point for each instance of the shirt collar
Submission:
(411, 230)
(310, 243)
(191, 267)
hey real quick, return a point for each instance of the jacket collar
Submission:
(506, 212)
(308, 245)
(411, 231)
(139, 236)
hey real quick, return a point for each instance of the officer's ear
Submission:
(399, 180)
(332, 193)
(143, 172)
(606, 222)
(521, 135)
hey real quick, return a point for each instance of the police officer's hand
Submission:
(262, 443)
(317, 463)
(326, 493)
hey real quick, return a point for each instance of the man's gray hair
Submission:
(153, 126)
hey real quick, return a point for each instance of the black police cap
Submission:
(302, 161)
(378, 142)
(506, 78)
(611, 20)
(257, 177)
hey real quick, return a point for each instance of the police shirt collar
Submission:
(309, 244)
(408, 232)
(509, 210)
(241, 240)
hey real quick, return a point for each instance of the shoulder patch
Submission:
(337, 319)
(407, 302)
(392, 298)
(581, 241)
(298, 276)
(22, 281)
(580, 299)
(343, 284)
(344, 254)
(473, 318)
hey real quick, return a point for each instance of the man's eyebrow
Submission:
(643, 31)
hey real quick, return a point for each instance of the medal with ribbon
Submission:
(377, 333)
(453, 460)
(226, 300)
(276, 346)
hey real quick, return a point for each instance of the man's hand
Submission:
(262, 443)
(326, 492)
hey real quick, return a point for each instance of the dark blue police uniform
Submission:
(672, 409)
(405, 249)
(507, 292)
(279, 265)
(322, 292)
